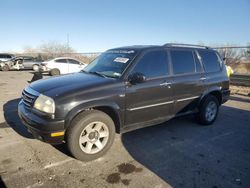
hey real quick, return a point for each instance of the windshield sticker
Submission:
(121, 60)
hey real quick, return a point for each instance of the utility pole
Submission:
(68, 43)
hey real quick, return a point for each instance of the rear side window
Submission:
(5, 56)
(61, 61)
(153, 64)
(183, 61)
(210, 60)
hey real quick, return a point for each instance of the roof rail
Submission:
(185, 45)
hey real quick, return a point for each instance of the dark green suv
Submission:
(122, 90)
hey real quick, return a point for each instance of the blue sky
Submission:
(97, 25)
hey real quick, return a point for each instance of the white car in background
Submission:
(62, 65)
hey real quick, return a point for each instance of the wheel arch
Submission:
(112, 110)
(215, 92)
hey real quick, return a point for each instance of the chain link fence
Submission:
(83, 57)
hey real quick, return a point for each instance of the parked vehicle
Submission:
(19, 63)
(122, 90)
(30, 62)
(62, 65)
(6, 56)
(13, 64)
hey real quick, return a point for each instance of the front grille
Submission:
(28, 99)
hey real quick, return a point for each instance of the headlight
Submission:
(45, 104)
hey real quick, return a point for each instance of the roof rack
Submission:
(185, 45)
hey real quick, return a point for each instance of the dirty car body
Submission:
(128, 89)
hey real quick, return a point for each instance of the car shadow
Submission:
(240, 99)
(2, 184)
(185, 154)
(12, 119)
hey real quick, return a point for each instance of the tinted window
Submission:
(61, 61)
(183, 61)
(153, 64)
(72, 61)
(28, 59)
(210, 60)
(112, 63)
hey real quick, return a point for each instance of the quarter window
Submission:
(183, 61)
(153, 64)
(210, 60)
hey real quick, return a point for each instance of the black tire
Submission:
(79, 124)
(203, 109)
(55, 72)
(5, 68)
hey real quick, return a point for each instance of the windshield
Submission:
(111, 63)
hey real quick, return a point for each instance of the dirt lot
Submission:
(179, 153)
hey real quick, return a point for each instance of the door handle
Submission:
(203, 78)
(168, 84)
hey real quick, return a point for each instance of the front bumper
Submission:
(225, 95)
(41, 128)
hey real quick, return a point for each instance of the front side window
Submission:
(183, 61)
(153, 64)
(111, 63)
(210, 60)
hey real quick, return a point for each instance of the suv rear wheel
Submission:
(90, 135)
(208, 110)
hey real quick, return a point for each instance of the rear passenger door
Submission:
(188, 78)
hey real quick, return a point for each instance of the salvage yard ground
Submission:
(179, 153)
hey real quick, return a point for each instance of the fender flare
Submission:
(208, 91)
(93, 105)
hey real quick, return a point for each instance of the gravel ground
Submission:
(179, 153)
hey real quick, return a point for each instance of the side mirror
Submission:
(136, 78)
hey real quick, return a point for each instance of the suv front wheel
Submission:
(208, 110)
(90, 135)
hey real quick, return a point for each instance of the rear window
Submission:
(183, 61)
(210, 60)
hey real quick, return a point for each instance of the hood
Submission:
(58, 85)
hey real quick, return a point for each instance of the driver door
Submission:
(152, 99)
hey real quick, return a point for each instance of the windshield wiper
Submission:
(98, 73)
